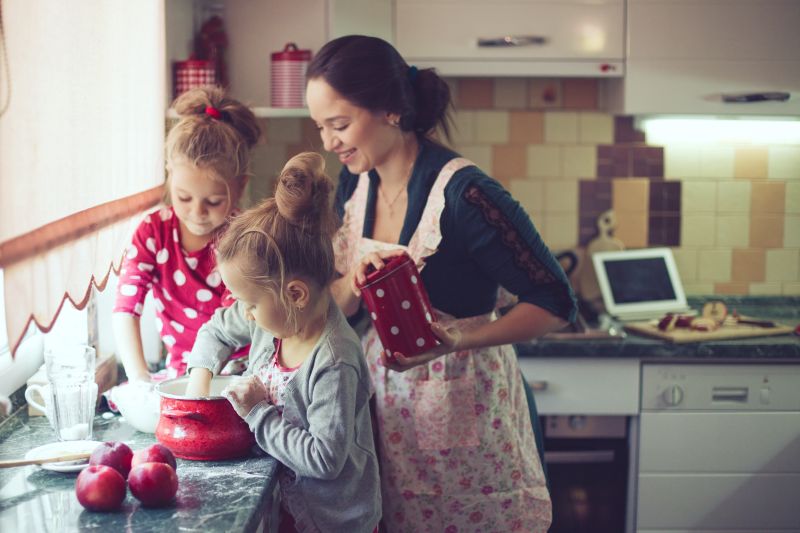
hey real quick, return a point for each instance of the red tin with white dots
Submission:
(399, 307)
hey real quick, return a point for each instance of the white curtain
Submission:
(81, 144)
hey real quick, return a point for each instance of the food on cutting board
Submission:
(672, 321)
(717, 311)
(153, 484)
(155, 453)
(117, 455)
(100, 488)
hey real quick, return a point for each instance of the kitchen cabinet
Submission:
(685, 56)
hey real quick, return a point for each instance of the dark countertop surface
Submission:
(782, 309)
(212, 496)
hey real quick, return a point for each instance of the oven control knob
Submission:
(672, 395)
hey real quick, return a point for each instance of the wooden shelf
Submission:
(266, 112)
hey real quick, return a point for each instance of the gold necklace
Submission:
(390, 204)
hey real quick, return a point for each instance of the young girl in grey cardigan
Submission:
(306, 392)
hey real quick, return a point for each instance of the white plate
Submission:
(54, 449)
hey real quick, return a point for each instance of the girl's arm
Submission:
(128, 338)
(199, 382)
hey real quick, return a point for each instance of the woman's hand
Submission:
(244, 393)
(450, 337)
(374, 259)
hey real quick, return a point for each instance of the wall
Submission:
(731, 212)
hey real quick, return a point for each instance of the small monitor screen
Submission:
(639, 280)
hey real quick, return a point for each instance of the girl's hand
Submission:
(450, 337)
(244, 393)
(375, 259)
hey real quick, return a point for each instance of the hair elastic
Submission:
(213, 112)
(412, 74)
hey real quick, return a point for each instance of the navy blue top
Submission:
(487, 240)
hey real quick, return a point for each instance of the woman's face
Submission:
(362, 139)
(260, 305)
(200, 198)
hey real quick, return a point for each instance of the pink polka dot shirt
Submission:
(187, 288)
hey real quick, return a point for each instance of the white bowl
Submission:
(139, 404)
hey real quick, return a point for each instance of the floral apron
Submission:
(456, 448)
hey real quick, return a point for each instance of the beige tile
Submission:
(510, 93)
(733, 230)
(544, 93)
(463, 130)
(748, 265)
(784, 162)
(544, 161)
(791, 231)
(698, 230)
(682, 161)
(630, 195)
(783, 265)
(791, 288)
(732, 288)
(714, 265)
(632, 228)
(750, 162)
(716, 162)
(766, 231)
(580, 93)
(491, 126)
(475, 93)
(792, 197)
(530, 194)
(526, 127)
(698, 288)
(561, 196)
(561, 230)
(579, 161)
(698, 197)
(509, 161)
(284, 130)
(560, 127)
(733, 196)
(480, 154)
(765, 289)
(686, 261)
(596, 128)
(768, 197)
(454, 90)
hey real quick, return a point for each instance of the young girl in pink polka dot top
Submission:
(172, 251)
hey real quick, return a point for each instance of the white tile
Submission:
(560, 127)
(791, 288)
(733, 230)
(579, 161)
(791, 231)
(544, 160)
(698, 230)
(682, 161)
(686, 261)
(766, 289)
(510, 93)
(698, 289)
(782, 265)
(480, 154)
(698, 197)
(717, 162)
(530, 194)
(597, 128)
(562, 230)
(491, 127)
(714, 265)
(793, 197)
(463, 130)
(561, 196)
(784, 163)
(733, 196)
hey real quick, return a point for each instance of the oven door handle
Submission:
(579, 457)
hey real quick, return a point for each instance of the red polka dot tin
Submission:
(399, 307)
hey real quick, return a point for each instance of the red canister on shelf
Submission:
(288, 73)
(193, 73)
(399, 307)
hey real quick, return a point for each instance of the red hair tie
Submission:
(213, 112)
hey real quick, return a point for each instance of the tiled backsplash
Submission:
(731, 212)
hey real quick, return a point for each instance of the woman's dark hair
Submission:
(370, 73)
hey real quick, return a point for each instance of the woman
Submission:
(456, 449)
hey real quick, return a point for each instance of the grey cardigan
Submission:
(325, 433)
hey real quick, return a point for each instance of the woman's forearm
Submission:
(523, 322)
(347, 301)
(128, 339)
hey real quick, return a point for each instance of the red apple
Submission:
(155, 453)
(117, 455)
(100, 488)
(153, 484)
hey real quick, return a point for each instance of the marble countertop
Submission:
(785, 310)
(212, 496)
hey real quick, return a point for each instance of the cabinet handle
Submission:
(729, 394)
(749, 98)
(511, 40)
(579, 457)
(538, 386)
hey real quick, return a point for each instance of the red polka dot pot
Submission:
(201, 429)
(399, 307)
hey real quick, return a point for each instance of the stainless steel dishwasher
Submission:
(719, 448)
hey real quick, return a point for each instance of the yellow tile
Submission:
(765, 289)
(698, 230)
(768, 197)
(475, 93)
(579, 161)
(544, 161)
(750, 162)
(544, 93)
(733, 196)
(698, 196)
(510, 93)
(561, 196)
(784, 162)
(732, 288)
(681, 161)
(698, 289)
(561, 127)
(791, 231)
(596, 128)
(491, 127)
(562, 230)
(526, 127)
(766, 231)
(791, 288)
(714, 265)
(530, 194)
(632, 228)
(509, 161)
(463, 130)
(630, 195)
(686, 261)
(783, 265)
(792, 197)
(748, 265)
(716, 161)
(480, 154)
(733, 230)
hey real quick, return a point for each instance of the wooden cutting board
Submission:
(727, 331)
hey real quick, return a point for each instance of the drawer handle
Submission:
(729, 394)
(749, 98)
(511, 41)
(579, 457)
(538, 386)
